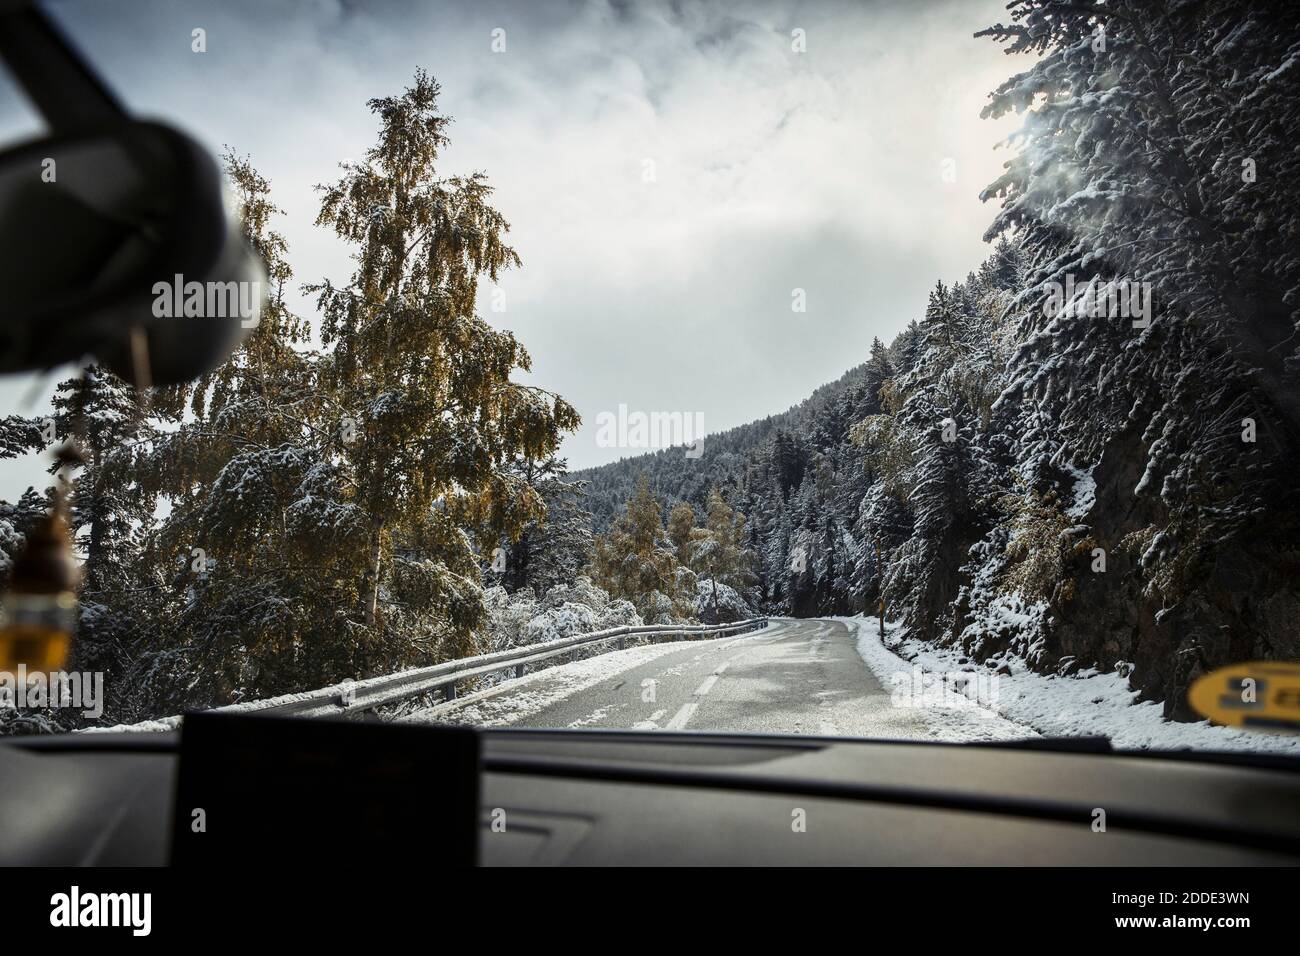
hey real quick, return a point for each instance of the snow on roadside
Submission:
(948, 715)
(1088, 703)
(514, 700)
(158, 726)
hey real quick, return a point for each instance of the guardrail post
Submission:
(519, 669)
(622, 643)
(449, 691)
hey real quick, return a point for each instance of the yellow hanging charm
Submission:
(40, 607)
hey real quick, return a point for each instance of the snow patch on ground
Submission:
(1086, 704)
(947, 715)
(595, 717)
(161, 725)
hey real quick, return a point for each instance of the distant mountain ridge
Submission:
(609, 483)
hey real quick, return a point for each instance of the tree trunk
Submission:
(370, 592)
(95, 548)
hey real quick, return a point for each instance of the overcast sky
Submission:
(773, 169)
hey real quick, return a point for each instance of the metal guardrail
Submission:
(357, 697)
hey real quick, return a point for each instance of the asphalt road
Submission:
(793, 677)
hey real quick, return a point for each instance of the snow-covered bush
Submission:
(731, 606)
(521, 618)
(554, 623)
(507, 614)
(659, 608)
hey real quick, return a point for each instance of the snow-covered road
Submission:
(794, 677)
(835, 677)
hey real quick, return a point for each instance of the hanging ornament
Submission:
(38, 614)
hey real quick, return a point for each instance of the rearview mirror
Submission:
(120, 244)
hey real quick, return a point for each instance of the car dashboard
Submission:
(588, 797)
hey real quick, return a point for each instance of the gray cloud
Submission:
(773, 170)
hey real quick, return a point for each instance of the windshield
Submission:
(865, 370)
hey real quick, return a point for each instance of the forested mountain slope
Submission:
(721, 460)
(1086, 452)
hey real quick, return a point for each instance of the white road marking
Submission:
(651, 723)
(682, 716)
(707, 685)
(687, 710)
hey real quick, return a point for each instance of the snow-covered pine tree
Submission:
(19, 435)
(681, 522)
(258, 530)
(15, 521)
(1157, 149)
(111, 513)
(718, 554)
(556, 549)
(427, 383)
(879, 369)
(635, 561)
(111, 508)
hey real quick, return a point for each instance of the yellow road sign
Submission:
(1256, 695)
